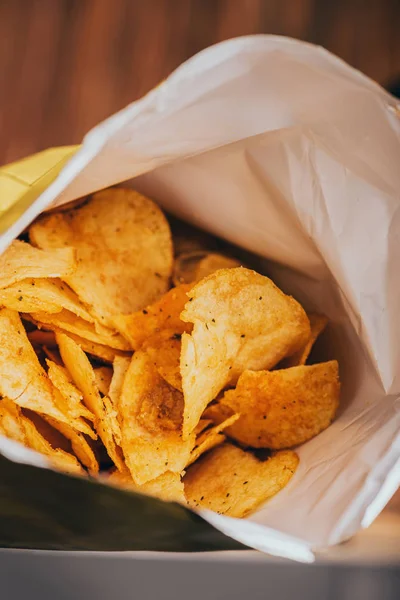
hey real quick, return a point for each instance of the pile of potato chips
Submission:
(171, 391)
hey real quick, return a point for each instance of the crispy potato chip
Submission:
(21, 261)
(164, 350)
(16, 426)
(163, 314)
(103, 379)
(188, 238)
(241, 321)
(210, 439)
(22, 378)
(202, 425)
(233, 482)
(79, 444)
(99, 351)
(67, 321)
(72, 398)
(151, 414)
(318, 324)
(84, 378)
(47, 295)
(53, 355)
(120, 367)
(191, 267)
(167, 487)
(42, 338)
(285, 408)
(123, 248)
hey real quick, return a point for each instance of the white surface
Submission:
(282, 148)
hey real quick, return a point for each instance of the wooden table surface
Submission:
(67, 64)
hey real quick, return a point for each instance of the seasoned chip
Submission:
(123, 248)
(67, 321)
(213, 262)
(167, 487)
(318, 324)
(194, 266)
(151, 413)
(47, 295)
(99, 351)
(22, 378)
(164, 350)
(120, 367)
(16, 426)
(103, 379)
(241, 321)
(72, 399)
(79, 444)
(232, 482)
(84, 378)
(21, 261)
(210, 439)
(281, 409)
(163, 314)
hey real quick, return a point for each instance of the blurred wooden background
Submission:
(67, 64)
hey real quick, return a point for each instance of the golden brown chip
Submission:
(103, 379)
(188, 238)
(53, 355)
(42, 338)
(167, 487)
(99, 351)
(84, 378)
(318, 324)
(202, 425)
(281, 409)
(123, 248)
(16, 426)
(120, 367)
(163, 314)
(47, 295)
(241, 321)
(67, 321)
(213, 262)
(164, 350)
(80, 446)
(210, 439)
(72, 399)
(233, 482)
(21, 261)
(191, 267)
(22, 378)
(151, 413)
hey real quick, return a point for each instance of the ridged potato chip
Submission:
(123, 247)
(317, 324)
(167, 487)
(164, 350)
(283, 408)
(210, 439)
(241, 321)
(80, 446)
(47, 295)
(82, 374)
(151, 413)
(233, 482)
(16, 426)
(163, 314)
(22, 261)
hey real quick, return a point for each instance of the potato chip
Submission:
(233, 482)
(318, 324)
(42, 338)
(22, 261)
(123, 248)
(99, 351)
(53, 355)
(72, 399)
(120, 367)
(163, 314)
(22, 378)
(241, 321)
(16, 426)
(210, 439)
(151, 413)
(164, 350)
(285, 408)
(202, 425)
(84, 378)
(67, 321)
(191, 267)
(47, 295)
(103, 379)
(79, 444)
(167, 487)
(188, 238)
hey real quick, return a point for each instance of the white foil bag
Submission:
(280, 147)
